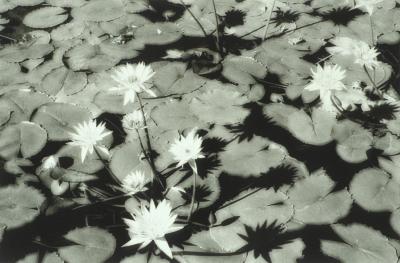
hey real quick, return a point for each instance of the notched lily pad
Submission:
(26, 137)
(60, 118)
(92, 245)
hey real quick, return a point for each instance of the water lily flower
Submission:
(367, 5)
(366, 56)
(344, 46)
(134, 182)
(133, 120)
(152, 224)
(87, 136)
(187, 149)
(49, 162)
(325, 80)
(131, 80)
(363, 54)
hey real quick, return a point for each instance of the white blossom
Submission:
(187, 148)
(88, 135)
(152, 224)
(131, 80)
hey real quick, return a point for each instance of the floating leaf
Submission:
(20, 52)
(175, 78)
(67, 31)
(243, 70)
(264, 205)
(26, 137)
(227, 102)
(374, 190)
(88, 57)
(19, 205)
(99, 10)
(315, 203)
(361, 245)
(315, 129)
(92, 245)
(37, 257)
(158, 33)
(174, 115)
(127, 158)
(250, 158)
(61, 78)
(60, 118)
(45, 17)
(353, 141)
(22, 103)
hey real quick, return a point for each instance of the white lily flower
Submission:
(366, 56)
(133, 120)
(186, 149)
(131, 80)
(87, 136)
(326, 80)
(134, 182)
(152, 224)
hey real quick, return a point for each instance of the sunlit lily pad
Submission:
(45, 17)
(19, 205)
(99, 10)
(91, 244)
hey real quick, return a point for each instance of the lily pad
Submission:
(315, 129)
(92, 245)
(243, 70)
(158, 33)
(99, 10)
(361, 245)
(264, 205)
(19, 205)
(353, 141)
(315, 203)
(60, 118)
(227, 102)
(26, 137)
(45, 17)
(249, 158)
(374, 190)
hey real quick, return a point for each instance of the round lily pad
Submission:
(45, 17)
(19, 204)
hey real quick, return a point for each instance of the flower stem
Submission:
(101, 201)
(149, 156)
(372, 31)
(239, 199)
(116, 179)
(9, 38)
(207, 253)
(193, 165)
(373, 82)
(268, 21)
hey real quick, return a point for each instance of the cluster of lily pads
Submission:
(199, 131)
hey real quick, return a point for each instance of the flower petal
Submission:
(162, 244)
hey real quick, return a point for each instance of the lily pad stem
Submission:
(193, 165)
